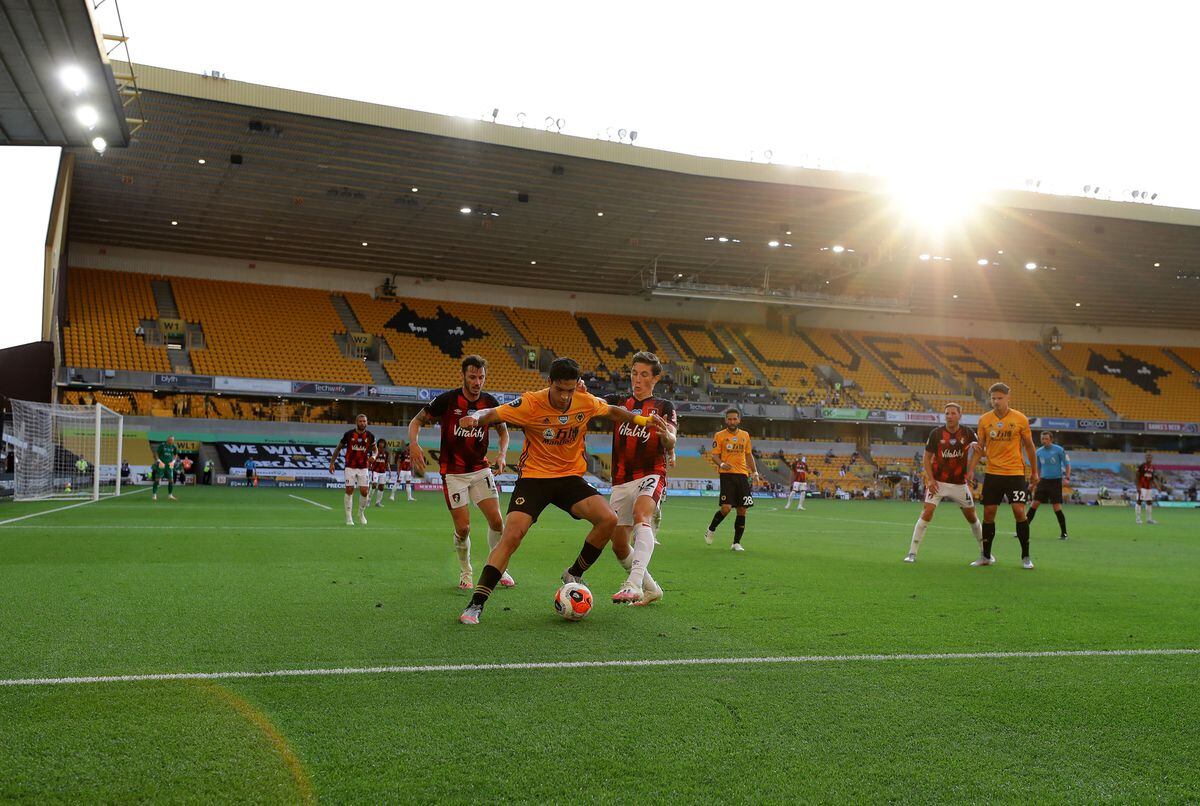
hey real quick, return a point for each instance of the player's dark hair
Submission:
(952, 406)
(1048, 434)
(733, 410)
(999, 387)
(477, 361)
(381, 442)
(648, 358)
(564, 369)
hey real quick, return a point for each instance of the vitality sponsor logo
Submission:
(469, 433)
(639, 432)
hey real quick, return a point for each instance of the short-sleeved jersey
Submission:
(1052, 461)
(382, 460)
(799, 470)
(166, 452)
(949, 449)
(1145, 476)
(359, 446)
(553, 438)
(638, 450)
(1002, 438)
(464, 450)
(404, 459)
(733, 450)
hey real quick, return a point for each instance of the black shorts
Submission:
(1048, 491)
(735, 490)
(1000, 489)
(531, 496)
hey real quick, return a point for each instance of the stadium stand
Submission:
(1141, 382)
(105, 310)
(266, 331)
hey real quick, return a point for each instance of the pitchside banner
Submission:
(272, 459)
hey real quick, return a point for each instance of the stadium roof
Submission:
(37, 41)
(293, 177)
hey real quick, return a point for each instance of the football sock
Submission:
(716, 521)
(1023, 537)
(487, 584)
(989, 534)
(494, 537)
(1029, 515)
(171, 486)
(154, 491)
(1062, 521)
(739, 527)
(587, 555)
(643, 547)
(977, 531)
(462, 546)
(349, 504)
(918, 535)
(789, 501)
(800, 503)
(363, 502)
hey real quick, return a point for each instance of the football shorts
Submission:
(1000, 489)
(358, 477)
(1048, 491)
(798, 486)
(956, 493)
(735, 490)
(461, 489)
(1146, 495)
(531, 496)
(624, 496)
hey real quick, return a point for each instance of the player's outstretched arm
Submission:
(415, 454)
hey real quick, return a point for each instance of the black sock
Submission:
(587, 555)
(487, 584)
(1062, 521)
(716, 521)
(1030, 514)
(739, 526)
(1023, 537)
(989, 534)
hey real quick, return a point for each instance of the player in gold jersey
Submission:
(734, 459)
(1003, 435)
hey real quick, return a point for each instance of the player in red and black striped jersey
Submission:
(381, 466)
(466, 472)
(359, 444)
(404, 475)
(799, 482)
(640, 457)
(1148, 485)
(951, 453)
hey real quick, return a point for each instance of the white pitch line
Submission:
(305, 500)
(68, 506)
(595, 664)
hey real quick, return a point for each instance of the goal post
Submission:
(66, 452)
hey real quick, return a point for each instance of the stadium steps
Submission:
(164, 299)
(342, 306)
(947, 377)
(742, 356)
(519, 339)
(869, 355)
(668, 348)
(379, 375)
(1178, 359)
(209, 453)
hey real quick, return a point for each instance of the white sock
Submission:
(789, 501)
(977, 530)
(800, 503)
(494, 536)
(1149, 512)
(918, 535)
(349, 504)
(462, 545)
(363, 502)
(643, 547)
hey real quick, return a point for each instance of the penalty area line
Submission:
(597, 664)
(307, 501)
(69, 506)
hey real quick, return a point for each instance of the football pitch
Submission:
(844, 674)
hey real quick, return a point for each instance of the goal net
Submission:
(70, 452)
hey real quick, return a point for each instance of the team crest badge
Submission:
(579, 417)
(563, 419)
(516, 403)
(520, 500)
(992, 433)
(458, 411)
(548, 434)
(954, 442)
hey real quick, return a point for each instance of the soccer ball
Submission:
(573, 601)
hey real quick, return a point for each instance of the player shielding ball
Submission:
(640, 456)
(733, 457)
(1003, 436)
(466, 473)
(949, 466)
(1147, 490)
(166, 455)
(799, 483)
(381, 466)
(1054, 466)
(359, 444)
(555, 421)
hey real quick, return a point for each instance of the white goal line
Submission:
(595, 664)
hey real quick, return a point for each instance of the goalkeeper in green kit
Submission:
(165, 457)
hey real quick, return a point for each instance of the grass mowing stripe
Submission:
(68, 506)
(597, 664)
(307, 501)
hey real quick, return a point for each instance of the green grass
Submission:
(237, 580)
